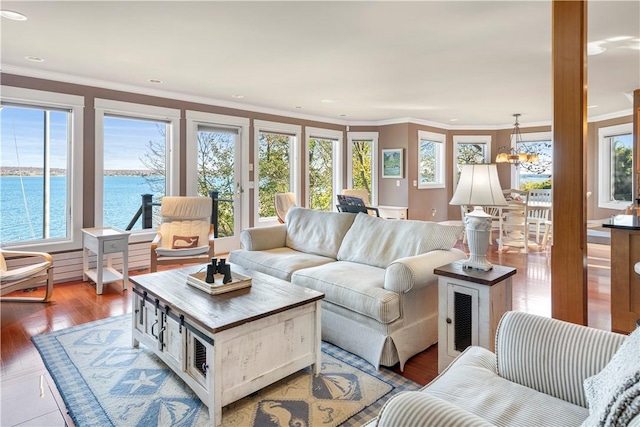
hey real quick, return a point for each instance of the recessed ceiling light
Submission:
(453, 120)
(14, 16)
(156, 81)
(592, 106)
(328, 101)
(34, 58)
(237, 96)
(619, 38)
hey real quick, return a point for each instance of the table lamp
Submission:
(478, 186)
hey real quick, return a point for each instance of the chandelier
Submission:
(511, 155)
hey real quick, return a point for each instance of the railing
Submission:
(146, 211)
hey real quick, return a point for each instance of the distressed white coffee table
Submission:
(230, 345)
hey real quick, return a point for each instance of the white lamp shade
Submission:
(479, 186)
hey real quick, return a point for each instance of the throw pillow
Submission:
(614, 393)
(184, 242)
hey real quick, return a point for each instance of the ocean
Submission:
(21, 212)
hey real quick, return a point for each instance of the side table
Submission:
(471, 303)
(393, 212)
(105, 241)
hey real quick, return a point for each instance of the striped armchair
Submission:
(536, 377)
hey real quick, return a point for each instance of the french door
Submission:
(214, 167)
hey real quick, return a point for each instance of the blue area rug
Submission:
(104, 381)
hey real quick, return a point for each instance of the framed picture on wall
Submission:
(392, 163)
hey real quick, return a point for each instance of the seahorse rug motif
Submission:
(105, 381)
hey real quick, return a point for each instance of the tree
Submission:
(215, 169)
(427, 166)
(321, 174)
(361, 161)
(273, 163)
(216, 173)
(622, 171)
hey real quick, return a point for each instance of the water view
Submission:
(21, 205)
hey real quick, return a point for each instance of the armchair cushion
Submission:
(472, 382)
(182, 252)
(195, 228)
(614, 393)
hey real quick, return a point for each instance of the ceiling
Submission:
(475, 61)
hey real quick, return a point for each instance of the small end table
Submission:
(105, 241)
(471, 303)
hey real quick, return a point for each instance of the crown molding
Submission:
(85, 81)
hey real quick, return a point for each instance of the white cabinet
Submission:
(470, 305)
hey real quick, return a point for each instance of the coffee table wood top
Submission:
(266, 296)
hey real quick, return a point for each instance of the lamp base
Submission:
(478, 229)
(483, 265)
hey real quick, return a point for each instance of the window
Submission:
(41, 145)
(362, 163)
(530, 175)
(616, 166)
(278, 168)
(470, 149)
(323, 167)
(137, 158)
(431, 159)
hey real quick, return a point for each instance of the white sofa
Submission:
(381, 299)
(545, 372)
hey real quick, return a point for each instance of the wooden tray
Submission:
(238, 281)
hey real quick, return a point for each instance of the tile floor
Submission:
(32, 399)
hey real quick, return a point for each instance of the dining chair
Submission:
(37, 271)
(358, 192)
(539, 209)
(185, 235)
(515, 225)
(353, 204)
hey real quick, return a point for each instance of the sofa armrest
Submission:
(404, 274)
(552, 356)
(415, 408)
(263, 238)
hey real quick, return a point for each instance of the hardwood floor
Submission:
(75, 303)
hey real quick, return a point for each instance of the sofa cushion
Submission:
(279, 262)
(378, 242)
(357, 287)
(614, 393)
(471, 382)
(316, 232)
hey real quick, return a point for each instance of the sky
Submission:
(22, 136)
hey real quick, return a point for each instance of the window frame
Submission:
(486, 140)
(336, 137)
(604, 165)
(364, 136)
(441, 150)
(294, 154)
(75, 143)
(134, 111)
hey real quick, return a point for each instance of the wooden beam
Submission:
(569, 253)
